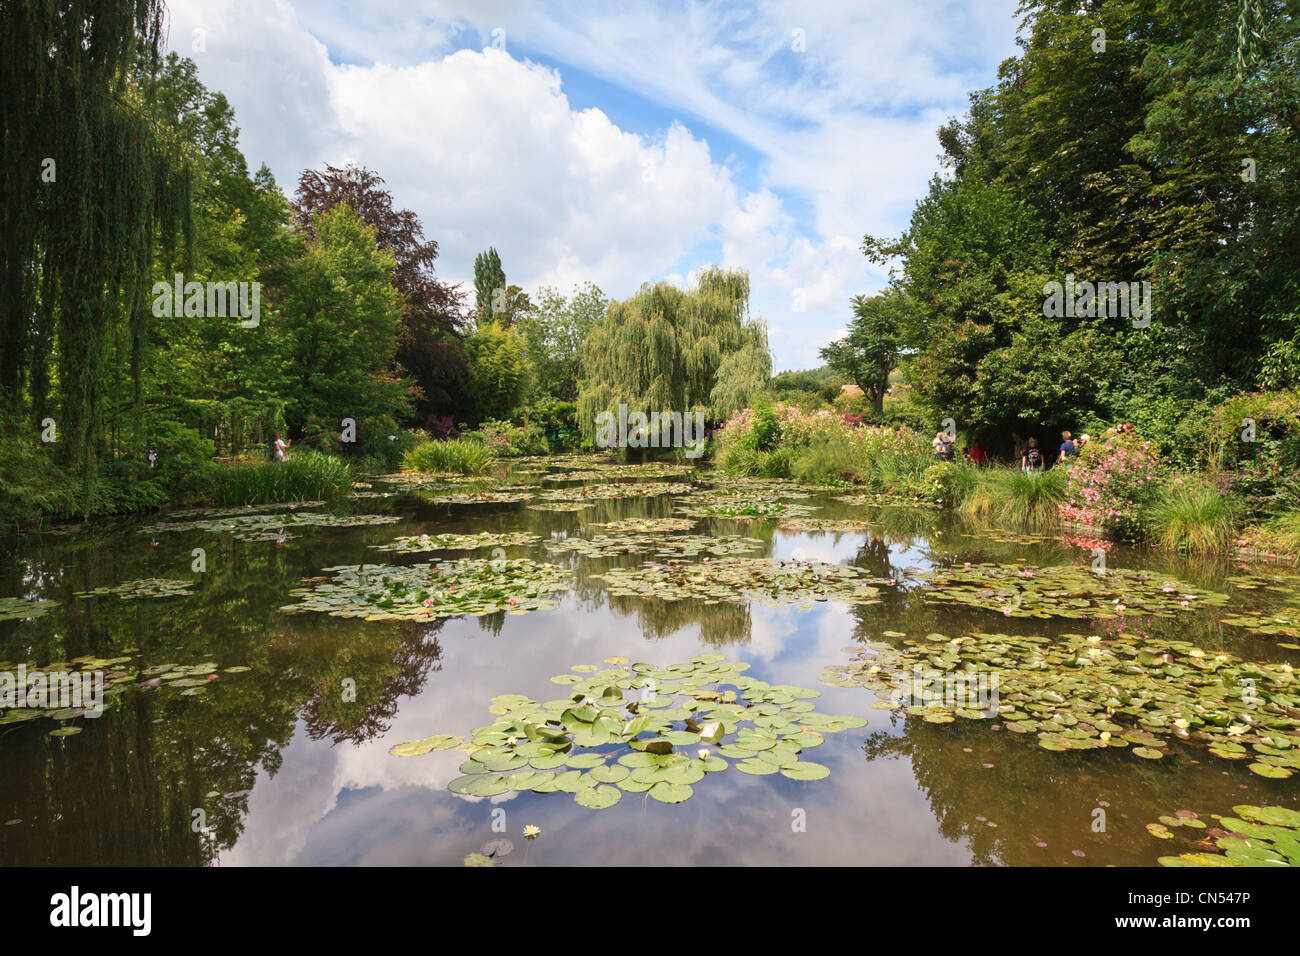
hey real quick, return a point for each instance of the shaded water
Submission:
(286, 770)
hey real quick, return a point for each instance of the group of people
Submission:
(1027, 453)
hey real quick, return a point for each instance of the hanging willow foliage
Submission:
(89, 186)
(662, 351)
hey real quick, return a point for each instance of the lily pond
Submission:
(577, 662)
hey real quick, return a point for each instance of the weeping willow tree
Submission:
(90, 187)
(668, 350)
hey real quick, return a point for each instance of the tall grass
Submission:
(826, 460)
(460, 455)
(306, 476)
(752, 463)
(1193, 516)
(1014, 497)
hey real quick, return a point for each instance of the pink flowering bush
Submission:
(1109, 485)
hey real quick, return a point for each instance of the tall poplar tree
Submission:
(488, 278)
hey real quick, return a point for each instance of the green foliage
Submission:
(1016, 498)
(1193, 515)
(766, 430)
(827, 460)
(1164, 158)
(181, 456)
(807, 389)
(499, 372)
(555, 329)
(489, 276)
(949, 483)
(336, 332)
(870, 351)
(76, 251)
(1272, 445)
(666, 350)
(465, 456)
(509, 440)
(306, 476)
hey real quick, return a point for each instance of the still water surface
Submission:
(287, 772)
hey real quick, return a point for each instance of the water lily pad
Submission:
(805, 770)
(415, 748)
(598, 798)
(666, 792)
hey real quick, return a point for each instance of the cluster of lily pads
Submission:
(18, 609)
(724, 486)
(424, 479)
(643, 489)
(144, 588)
(648, 525)
(1069, 591)
(671, 546)
(867, 498)
(741, 508)
(118, 674)
(814, 525)
(736, 580)
(1256, 836)
(262, 527)
(599, 472)
(461, 542)
(1080, 692)
(493, 497)
(432, 589)
(998, 536)
(638, 728)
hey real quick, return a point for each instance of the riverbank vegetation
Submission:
(1178, 183)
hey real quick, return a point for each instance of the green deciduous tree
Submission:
(872, 348)
(336, 331)
(663, 350)
(499, 371)
(88, 186)
(554, 330)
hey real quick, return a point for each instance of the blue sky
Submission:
(619, 143)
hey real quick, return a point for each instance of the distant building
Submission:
(850, 390)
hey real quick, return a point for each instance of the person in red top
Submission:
(978, 454)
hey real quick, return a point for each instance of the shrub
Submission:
(1014, 497)
(949, 483)
(306, 476)
(1193, 515)
(507, 440)
(826, 461)
(1110, 485)
(463, 456)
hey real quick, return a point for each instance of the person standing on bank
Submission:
(1032, 459)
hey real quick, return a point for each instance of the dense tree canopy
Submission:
(88, 187)
(669, 350)
(1138, 153)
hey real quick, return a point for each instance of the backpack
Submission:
(1034, 457)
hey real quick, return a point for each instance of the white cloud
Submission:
(487, 149)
